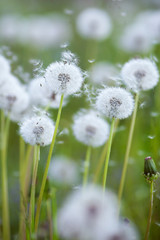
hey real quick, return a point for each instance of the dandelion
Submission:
(84, 211)
(94, 23)
(115, 103)
(63, 78)
(140, 74)
(63, 171)
(104, 73)
(92, 131)
(37, 130)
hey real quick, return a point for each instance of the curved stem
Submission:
(108, 154)
(102, 157)
(5, 199)
(33, 187)
(150, 212)
(86, 166)
(130, 137)
(47, 166)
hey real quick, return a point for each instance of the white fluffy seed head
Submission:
(40, 96)
(13, 97)
(84, 211)
(94, 23)
(37, 130)
(136, 39)
(63, 78)
(115, 102)
(63, 171)
(140, 74)
(104, 73)
(90, 129)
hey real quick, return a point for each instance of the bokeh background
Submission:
(25, 40)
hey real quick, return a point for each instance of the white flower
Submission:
(104, 73)
(13, 96)
(40, 96)
(90, 129)
(63, 171)
(140, 74)
(83, 212)
(63, 78)
(115, 102)
(94, 23)
(37, 130)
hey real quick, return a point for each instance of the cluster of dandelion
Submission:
(91, 212)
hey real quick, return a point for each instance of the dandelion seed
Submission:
(90, 129)
(140, 74)
(94, 23)
(115, 103)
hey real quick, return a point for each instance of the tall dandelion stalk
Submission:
(130, 137)
(39, 202)
(86, 166)
(108, 154)
(5, 199)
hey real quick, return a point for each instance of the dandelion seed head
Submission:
(140, 74)
(94, 23)
(115, 102)
(63, 171)
(90, 129)
(13, 96)
(63, 78)
(37, 130)
(84, 211)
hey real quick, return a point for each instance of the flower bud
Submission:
(150, 170)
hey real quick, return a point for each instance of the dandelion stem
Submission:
(86, 166)
(130, 137)
(22, 207)
(102, 157)
(33, 187)
(108, 154)
(150, 211)
(47, 165)
(5, 199)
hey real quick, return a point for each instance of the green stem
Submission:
(150, 212)
(47, 166)
(33, 187)
(86, 166)
(108, 154)
(102, 157)
(5, 199)
(22, 207)
(130, 137)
